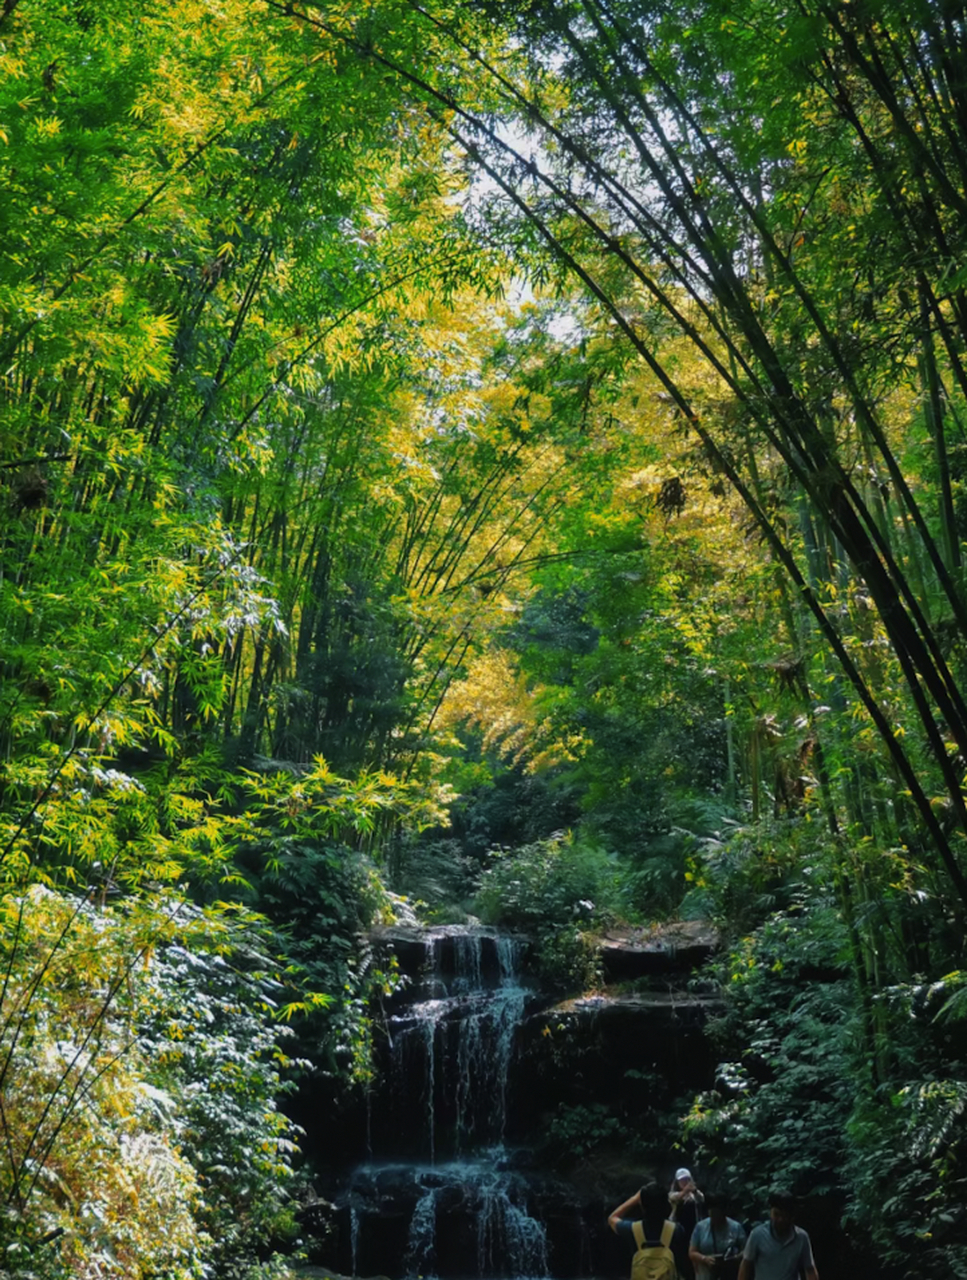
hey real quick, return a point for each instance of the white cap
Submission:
(681, 1175)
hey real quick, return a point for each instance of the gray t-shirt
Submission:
(728, 1240)
(777, 1259)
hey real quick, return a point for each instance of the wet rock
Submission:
(677, 947)
(639, 1052)
(432, 960)
(482, 1083)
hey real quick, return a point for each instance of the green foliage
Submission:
(741, 875)
(518, 806)
(905, 1157)
(214, 1058)
(575, 1132)
(303, 842)
(324, 897)
(436, 874)
(728, 260)
(141, 1063)
(567, 959)
(278, 472)
(89, 1158)
(784, 1093)
(554, 890)
(631, 709)
(542, 884)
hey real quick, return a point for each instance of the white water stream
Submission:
(452, 1050)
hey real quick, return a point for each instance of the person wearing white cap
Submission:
(687, 1202)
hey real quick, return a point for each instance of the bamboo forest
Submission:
(483, 636)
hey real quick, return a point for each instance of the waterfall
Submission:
(469, 1214)
(509, 1240)
(353, 1234)
(467, 963)
(452, 1047)
(445, 1189)
(421, 1245)
(455, 1168)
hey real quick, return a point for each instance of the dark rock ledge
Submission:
(676, 947)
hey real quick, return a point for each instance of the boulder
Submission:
(674, 948)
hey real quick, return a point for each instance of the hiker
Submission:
(662, 1245)
(715, 1249)
(778, 1249)
(687, 1202)
(688, 1208)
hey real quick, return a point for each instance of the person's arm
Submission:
(812, 1273)
(697, 1257)
(689, 1189)
(747, 1265)
(633, 1202)
(695, 1252)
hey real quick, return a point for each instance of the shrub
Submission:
(139, 1064)
(554, 890)
(91, 1163)
(783, 1094)
(574, 1132)
(743, 874)
(212, 1046)
(547, 884)
(907, 1152)
(435, 872)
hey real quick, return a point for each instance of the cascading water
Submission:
(501, 1236)
(439, 1164)
(487, 1148)
(353, 1235)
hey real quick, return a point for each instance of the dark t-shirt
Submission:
(679, 1241)
(688, 1216)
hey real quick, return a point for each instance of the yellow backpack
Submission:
(656, 1261)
